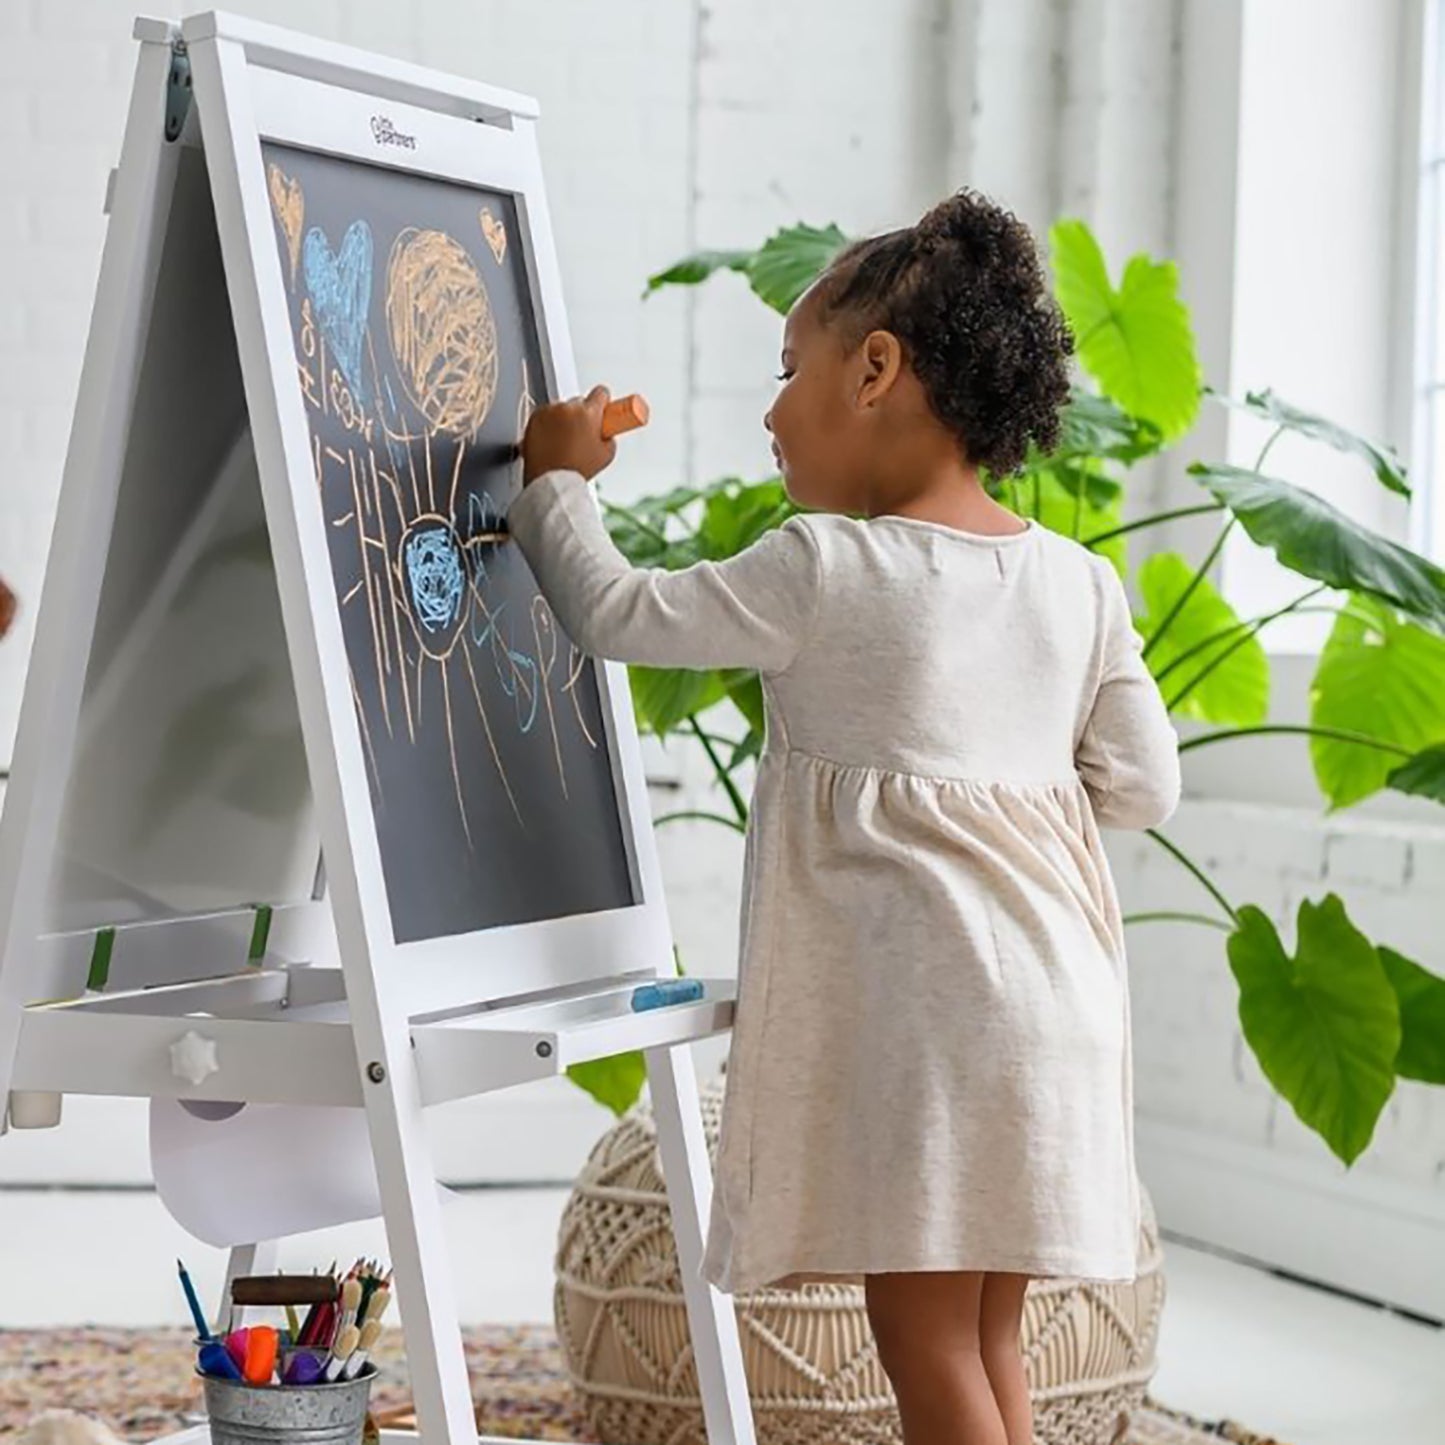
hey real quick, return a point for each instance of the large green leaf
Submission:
(1324, 1025)
(733, 519)
(664, 697)
(779, 271)
(1094, 426)
(1084, 474)
(746, 691)
(1423, 775)
(614, 1082)
(1380, 675)
(1316, 540)
(1421, 995)
(1234, 688)
(791, 260)
(1389, 470)
(1136, 341)
(692, 270)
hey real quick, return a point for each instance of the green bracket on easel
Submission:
(100, 960)
(260, 932)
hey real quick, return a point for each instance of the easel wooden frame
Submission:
(365, 1034)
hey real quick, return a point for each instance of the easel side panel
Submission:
(66, 619)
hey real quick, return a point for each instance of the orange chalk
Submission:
(625, 414)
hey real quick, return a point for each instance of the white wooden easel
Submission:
(297, 984)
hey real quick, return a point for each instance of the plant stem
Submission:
(1338, 734)
(1233, 647)
(1038, 496)
(726, 742)
(1153, 520)
(723, 777)
(1196, 870)
(1168, 917)
(709, 817)
(1254, 624)
(1078, 510)
(1265, 449)
(1188, 591)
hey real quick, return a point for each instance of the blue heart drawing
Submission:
(340, 287)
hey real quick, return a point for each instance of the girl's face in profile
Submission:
(815, 426)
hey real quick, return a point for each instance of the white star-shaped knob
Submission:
(193, 1058)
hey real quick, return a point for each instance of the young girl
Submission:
(929, 1085)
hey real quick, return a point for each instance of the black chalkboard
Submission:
(418, 358)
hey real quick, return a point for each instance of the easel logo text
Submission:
(387, 134)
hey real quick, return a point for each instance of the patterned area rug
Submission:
(140, 1383)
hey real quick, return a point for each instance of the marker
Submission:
(305, 1368)
(215, 1359)
(235, 1343)
(669, 991)
(261, 1346)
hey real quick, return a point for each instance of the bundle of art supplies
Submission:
(330, 1344)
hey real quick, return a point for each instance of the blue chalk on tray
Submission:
(659, 995)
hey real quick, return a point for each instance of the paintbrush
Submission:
(357, 1361)
(341, 1351)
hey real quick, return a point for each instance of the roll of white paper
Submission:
(235, 1174)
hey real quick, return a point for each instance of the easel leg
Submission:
(711, 1315)
(411, 1202)
(245, 1259)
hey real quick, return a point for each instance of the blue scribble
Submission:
(434, 575)
(507, 675)
(513, 666)
(512, 687)
(396, 458)
(340, 287)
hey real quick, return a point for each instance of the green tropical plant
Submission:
(1334, 1024)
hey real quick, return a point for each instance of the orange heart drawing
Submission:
(290, 206)
(496, 234)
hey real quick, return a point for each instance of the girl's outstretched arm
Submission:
(752, 610)
(1128, 755)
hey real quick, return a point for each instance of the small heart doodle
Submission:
(496, 234)
(340, 287)
(289, 204)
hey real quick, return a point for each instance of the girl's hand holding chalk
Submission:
(577, 435)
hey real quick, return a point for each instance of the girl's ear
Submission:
(882, 357)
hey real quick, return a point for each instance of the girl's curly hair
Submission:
(965, 293)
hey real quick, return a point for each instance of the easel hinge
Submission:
(178, 91)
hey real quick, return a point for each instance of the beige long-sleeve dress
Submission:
(930, 1065)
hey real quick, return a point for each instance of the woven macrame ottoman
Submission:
(812, 1369)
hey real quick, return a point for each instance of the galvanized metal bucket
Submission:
(287, 1414)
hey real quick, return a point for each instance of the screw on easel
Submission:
(544, 1049)
(376, 1073)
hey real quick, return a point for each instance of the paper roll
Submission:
(235, 1174)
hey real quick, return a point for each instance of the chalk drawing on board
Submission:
(289, 203)
(496, 233)
(429, 587)
(482, 724)
(443, 333)
(339, 284)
